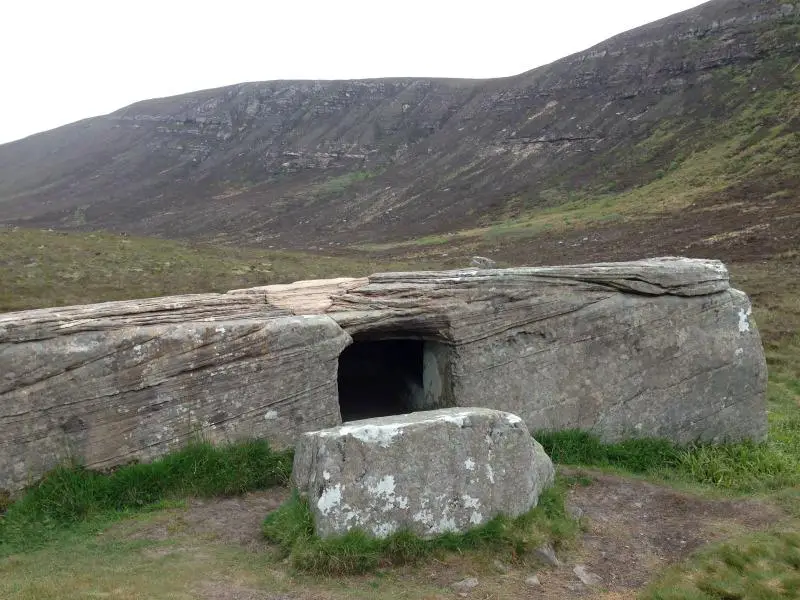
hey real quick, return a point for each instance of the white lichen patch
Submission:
(270, 415)
(384, 529)
(454, 419)
(744, 319)
(490, 473)
(470, 502)
(383, 434)
(469, 464)
(512, 419)
(384, 487)
(372, 434)
(330, 499)
(476, 518)
(349, 515)
(445, 525)
(423, 516)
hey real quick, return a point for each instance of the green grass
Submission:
(47, 268)
(70, 495)
(291, 527)
(741, 468)
(122, 562)
(575, 447)
(764, 566)
(336, 186)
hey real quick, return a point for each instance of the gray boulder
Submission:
(430, 472)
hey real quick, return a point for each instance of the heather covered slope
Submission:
(701, 107)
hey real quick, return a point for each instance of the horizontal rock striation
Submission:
(660, 347)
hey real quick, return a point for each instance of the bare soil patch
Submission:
(227, 520)
(634, 530)
(637, 528)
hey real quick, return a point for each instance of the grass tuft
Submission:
(68, 495)
(742, 467)
(764, 566)
(291, 527)
(576, 447)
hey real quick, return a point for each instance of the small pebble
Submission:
(533, 581)
(586, 576)
(500, 566)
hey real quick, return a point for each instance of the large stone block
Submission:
(659, 347)
(106, 394)
(682, 368)
(429, 472)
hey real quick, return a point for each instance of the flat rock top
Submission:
(381, 426)
(415, 292)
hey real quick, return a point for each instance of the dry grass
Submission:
(47, 268)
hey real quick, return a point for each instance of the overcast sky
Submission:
(63, 60)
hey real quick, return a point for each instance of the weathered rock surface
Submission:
(481, 262)
(429, 472)
(88, 384)
(660, 347)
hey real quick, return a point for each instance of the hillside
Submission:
(40, 268)
(699, 111)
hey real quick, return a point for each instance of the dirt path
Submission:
(635, 529)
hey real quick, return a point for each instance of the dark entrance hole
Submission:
(381, 378)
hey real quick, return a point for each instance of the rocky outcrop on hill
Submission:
(320, 163)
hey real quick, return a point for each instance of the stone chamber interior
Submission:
(381, 378)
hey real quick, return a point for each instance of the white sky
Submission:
(64, 60)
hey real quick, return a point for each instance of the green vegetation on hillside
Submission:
(335, 186)
(47, 268)
(696, 160)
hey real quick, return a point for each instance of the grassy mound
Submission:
(291, 527)
(69, 495)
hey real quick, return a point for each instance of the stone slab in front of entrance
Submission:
(429, 472)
